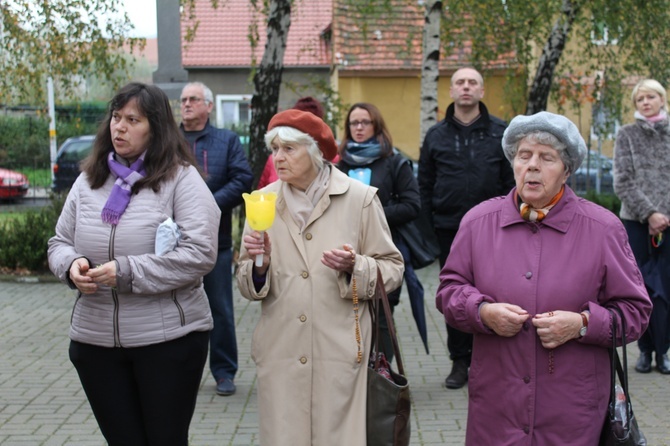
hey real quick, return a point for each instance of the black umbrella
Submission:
(415, 291)
(656, 274)
(652, 272)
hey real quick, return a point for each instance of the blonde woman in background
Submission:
(642, 182)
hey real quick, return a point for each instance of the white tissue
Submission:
(167, 236)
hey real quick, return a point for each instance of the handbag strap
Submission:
(616, 368)
(381, 299)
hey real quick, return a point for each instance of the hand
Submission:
(78, 276)
(658, 222)
(555, 328)
(504, 319)
(255, 245)
(104, 274)
(340, 259)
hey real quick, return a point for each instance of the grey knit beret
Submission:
(559, 126)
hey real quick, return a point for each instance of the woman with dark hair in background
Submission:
(140, 324)
(367, 154)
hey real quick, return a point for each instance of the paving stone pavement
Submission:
(42, 403)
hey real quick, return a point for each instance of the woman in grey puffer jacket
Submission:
(140, 324)
(642, 182)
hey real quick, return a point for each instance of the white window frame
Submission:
(604, 39)
(237, 98)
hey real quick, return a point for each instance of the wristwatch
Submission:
(585, 324)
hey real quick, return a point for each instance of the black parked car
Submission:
(70, 154)
(578, 179)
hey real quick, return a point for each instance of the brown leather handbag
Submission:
(388, 399)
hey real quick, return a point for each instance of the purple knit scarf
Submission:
(121, 192)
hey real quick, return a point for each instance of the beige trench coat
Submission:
(311, 389)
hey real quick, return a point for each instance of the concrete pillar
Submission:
(170, 76)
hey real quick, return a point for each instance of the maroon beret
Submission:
(311, 105)
(308, 123)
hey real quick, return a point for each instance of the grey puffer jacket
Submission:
(642, 169)
(157, 298)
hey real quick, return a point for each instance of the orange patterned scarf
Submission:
(529, 213)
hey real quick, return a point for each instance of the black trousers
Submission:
(143, 396)
(459, 343)
(654, 264)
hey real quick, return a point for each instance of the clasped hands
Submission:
(338, 259)
(87, 279)
(658, 223)
(554, 328)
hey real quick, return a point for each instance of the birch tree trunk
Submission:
(538, 95)
(267, 82)
(430, 73)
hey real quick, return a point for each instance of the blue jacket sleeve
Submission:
(240, 177)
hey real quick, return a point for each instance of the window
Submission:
(604, 123)
(600, 34)
(233, 110)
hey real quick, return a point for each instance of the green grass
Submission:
(38, 177)
(11, 215)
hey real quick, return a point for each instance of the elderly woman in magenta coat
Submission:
(532, 276)
(329, 229)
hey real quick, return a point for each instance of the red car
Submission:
(12, 184)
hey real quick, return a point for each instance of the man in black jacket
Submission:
(228, 176)
(461, 164)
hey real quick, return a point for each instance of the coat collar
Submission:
(338, 185)
(483, 120)
(201, 133)
(661, 127)
(559, 218)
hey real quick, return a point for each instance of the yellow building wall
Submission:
(398, 99)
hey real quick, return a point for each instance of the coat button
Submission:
(305, 274)
(529, 275)
(526, 379)
(303, 318)
(303, 360)
(526, 429)
(308, 236)
(533, 229)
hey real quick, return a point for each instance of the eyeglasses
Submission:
(192, 99)
(364, 123)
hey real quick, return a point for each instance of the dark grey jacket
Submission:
(642, 169)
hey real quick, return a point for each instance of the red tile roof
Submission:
(221, 37)
(375, 37)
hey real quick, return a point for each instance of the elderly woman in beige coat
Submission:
(328, 230)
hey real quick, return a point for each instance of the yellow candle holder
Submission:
(260, 210)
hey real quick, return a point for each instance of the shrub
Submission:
(23, 241)
(608, 201)
(24, 140)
